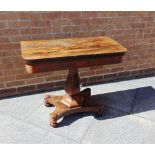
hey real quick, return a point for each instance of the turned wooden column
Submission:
(73, 82)
(74, 97)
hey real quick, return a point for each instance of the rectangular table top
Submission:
(74, 47)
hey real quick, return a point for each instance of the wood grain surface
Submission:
(74, 47)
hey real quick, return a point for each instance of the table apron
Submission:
(62, 64)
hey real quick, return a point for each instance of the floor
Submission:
(129, 117)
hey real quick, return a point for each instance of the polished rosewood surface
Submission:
(74, 47)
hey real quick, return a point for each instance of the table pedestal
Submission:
(74, 101)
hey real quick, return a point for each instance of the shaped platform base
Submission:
(81, 103)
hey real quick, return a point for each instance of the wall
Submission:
(135, 30)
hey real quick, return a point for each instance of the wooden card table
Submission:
(71, 54)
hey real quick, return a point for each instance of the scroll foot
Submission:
(47, 102)
(53, 120)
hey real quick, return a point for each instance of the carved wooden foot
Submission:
(51, 100)
(47, 101)
(53, 120)
(62, 110)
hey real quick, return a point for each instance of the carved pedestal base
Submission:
(81, 102)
